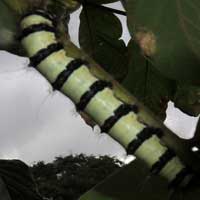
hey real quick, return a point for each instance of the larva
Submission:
(73, 78)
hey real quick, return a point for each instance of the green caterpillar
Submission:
(96, 97)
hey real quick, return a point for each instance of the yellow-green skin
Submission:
(102, 105)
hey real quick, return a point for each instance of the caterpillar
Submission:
(96, 97)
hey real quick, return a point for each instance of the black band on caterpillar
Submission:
(42, 13)
(36, 28)
(44, 53)
(163, 160)
(180, 177)
(121, 111)
(94, 89)
(64, 75)
(144, 135)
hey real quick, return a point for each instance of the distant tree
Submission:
(69, 177)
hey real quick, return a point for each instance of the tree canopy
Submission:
(67, 178)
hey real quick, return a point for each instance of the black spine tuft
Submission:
(180, 177)
(44, 53)
(141, 137)
(96, 87)
(36, 28)
(42, 13)
(121, 111)
(64, 75)
(163, 160)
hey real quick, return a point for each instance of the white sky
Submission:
(38, 124)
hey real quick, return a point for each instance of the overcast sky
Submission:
(38, 124)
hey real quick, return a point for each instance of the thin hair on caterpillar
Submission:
(49, 95)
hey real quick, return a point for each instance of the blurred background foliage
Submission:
(67, 178)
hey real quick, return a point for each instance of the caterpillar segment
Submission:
(73, 78)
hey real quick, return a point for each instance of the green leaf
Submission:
(8, 28)
(105, 1)
(187, 99)
(20, 6)
(198, 128)
(123, 2)
(18, 180)
(147, 83)
(196, 138)
(63, 7)
(99, 36)
(168, 32)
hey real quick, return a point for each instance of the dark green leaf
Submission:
(105, 1)
(99, 36)
(168, 32)
(187, 98)
(18, 180)
(134, 182)
(197, 131)
(196, 139)
(98, 1)
(130, 183)
(63, 7)
(8, 28)
(123, 3)
(20, 6)
(147, 83)
(3, 191)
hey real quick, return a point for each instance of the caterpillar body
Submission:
(74, 79)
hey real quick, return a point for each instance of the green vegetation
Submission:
(67, 178)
